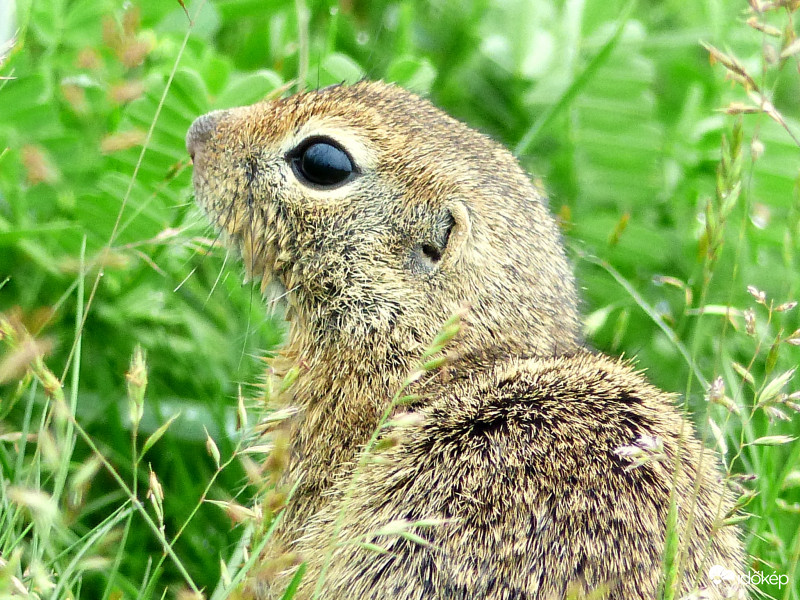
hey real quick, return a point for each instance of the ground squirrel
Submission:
(382, 217)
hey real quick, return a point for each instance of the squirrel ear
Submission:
(459, 234)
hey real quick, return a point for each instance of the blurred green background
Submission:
(613, 105)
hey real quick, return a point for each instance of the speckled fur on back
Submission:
(514, 442)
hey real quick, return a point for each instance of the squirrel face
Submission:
(382, 216)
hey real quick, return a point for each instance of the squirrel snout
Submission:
(201, 131)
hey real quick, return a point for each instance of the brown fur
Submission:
(514, 442)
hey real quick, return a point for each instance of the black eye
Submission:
(322, 162)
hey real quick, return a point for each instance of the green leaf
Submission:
(249, 89)
(336, 68)
(205, 20)
(81, 26)
(774, 387)
(792, 480)
(45, 18)
(157, 434)
(372, 547)
(414, 538)
(291, 590)
(773, 440)
(216, 72)
(743, 373)
(415, 74)
(28, 107)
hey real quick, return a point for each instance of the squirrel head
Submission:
(382, 216)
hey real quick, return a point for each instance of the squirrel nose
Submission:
(201, 131)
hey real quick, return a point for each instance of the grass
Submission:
(677, 186)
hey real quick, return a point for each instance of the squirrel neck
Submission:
(340, 395)
(343, 387)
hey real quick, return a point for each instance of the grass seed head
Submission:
(40, 505)
(645, 449)
(750, 321)
(137, 384)
(211, 448)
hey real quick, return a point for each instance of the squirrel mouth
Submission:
(256, 264)
(252, 226)
(254, 236)
(256, 229)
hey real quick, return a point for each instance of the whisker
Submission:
(185, 279)
(197, 250)
(178, 205)
(219, 274)
(251, 226)
(273, 302)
